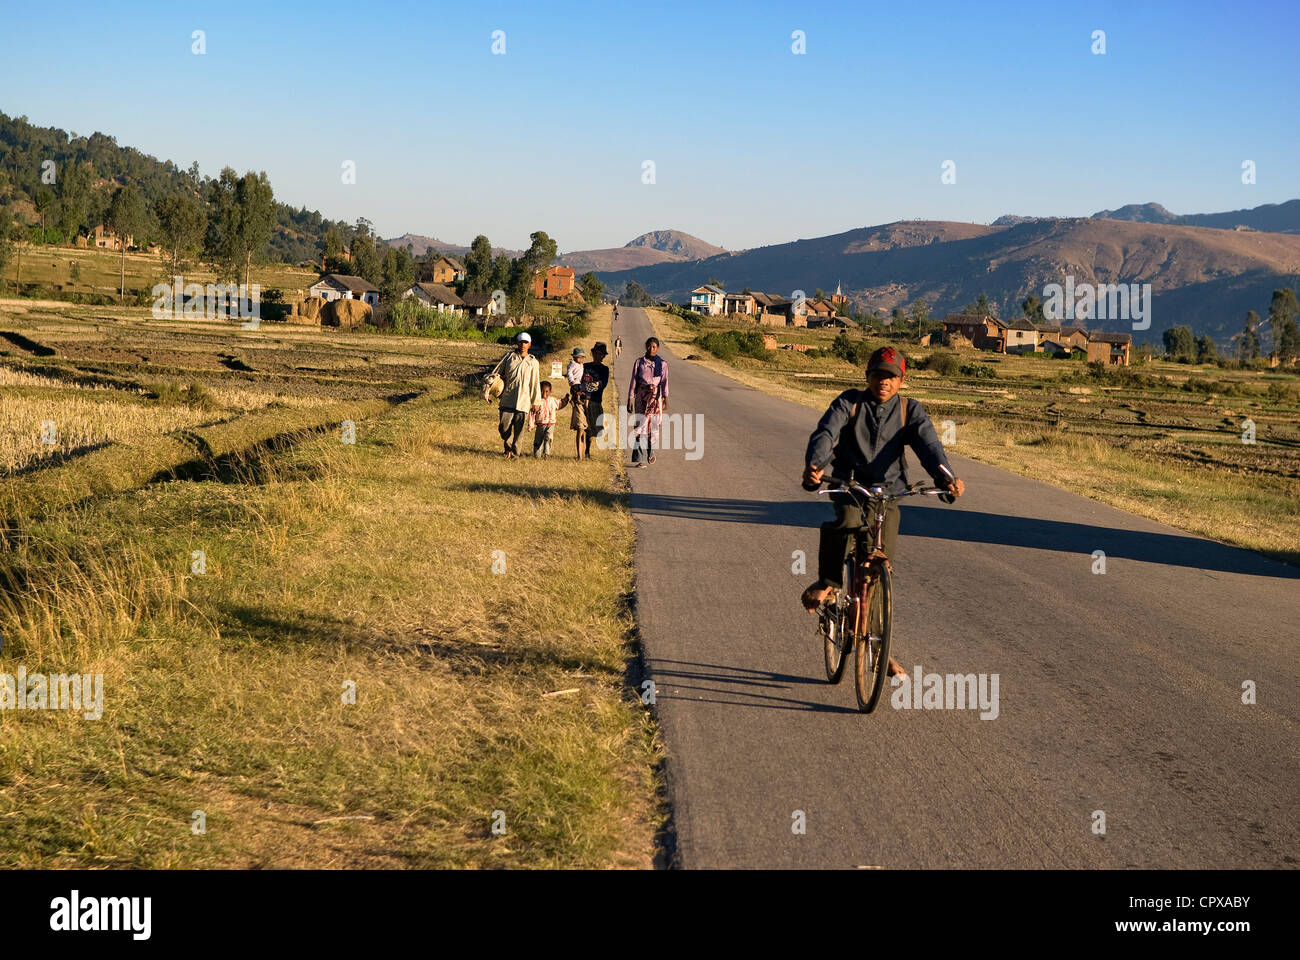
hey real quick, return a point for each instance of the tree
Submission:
(74, 198)
(44, 199)
(500, 274)
(541, 251)
(898, 318)
(182, 222)
(1248, 345)
(1179, 343)
(1282, 311)
(398, 272)
(6, 244)
(126, 217)
(221, 241)
(592, 288)
(920, 315)
(984, 308)
(365, 260)
(478, 266)
(635, 295)
(1206, 350)
(332, 244)
(1033, 308)
(256, 203)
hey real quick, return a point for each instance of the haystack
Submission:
(305, 311)
(345, 313)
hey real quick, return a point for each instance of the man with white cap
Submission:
(522, 392)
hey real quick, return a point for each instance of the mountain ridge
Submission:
(1209, 276)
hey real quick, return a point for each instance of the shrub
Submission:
(1281, 392)
(727, 344)
(943, 362)
(413, 318)
(978, 370)
(855, 350)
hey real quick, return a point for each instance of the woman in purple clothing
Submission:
(648, 396)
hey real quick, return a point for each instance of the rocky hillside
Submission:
(658, 246)
(1204, 277)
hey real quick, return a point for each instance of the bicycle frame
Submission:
(873, 502)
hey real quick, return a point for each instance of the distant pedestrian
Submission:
(648, 396)
(543, 419)
(595, 377)
(521, 392)
(618, 341)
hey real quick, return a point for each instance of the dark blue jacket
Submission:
(873, 450)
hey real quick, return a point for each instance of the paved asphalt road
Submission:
(1118, 692)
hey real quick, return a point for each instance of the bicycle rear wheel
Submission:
(872, 646)
(836, 626)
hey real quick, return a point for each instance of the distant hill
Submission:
(658, 246)
(677, 243)
(1207, 278)
(1270, 217)
(420, 246)
(1138, 213)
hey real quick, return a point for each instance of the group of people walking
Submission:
(526, 401)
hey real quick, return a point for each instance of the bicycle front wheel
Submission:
(873, 644)
(837, 627)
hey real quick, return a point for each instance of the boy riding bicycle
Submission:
(863, 435)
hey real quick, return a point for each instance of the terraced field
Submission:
(302, 630)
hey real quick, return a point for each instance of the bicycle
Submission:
(860, 614)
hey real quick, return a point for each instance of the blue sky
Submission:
(752, 144)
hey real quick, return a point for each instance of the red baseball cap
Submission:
(889, 360)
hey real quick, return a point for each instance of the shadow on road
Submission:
(1168, 549)
(732, 682)
(954, 523)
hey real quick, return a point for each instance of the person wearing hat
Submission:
(578, 399)
(863, 435)
(521, 392)
(595, 378)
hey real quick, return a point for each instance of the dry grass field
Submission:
(353, 675)
(86, 272)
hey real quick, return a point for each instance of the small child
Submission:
(578, 397)
(544, 421)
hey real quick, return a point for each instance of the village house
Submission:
(442, 298)
(339, 286)
(1075, 337)
(448, 270)
(1021, 336)
(985, 332)
(477, 305)
(553, 283)
(1048, 331)
(739, 303)
(105, 239)
(781, 313)
(1110, 348)
(817, 312)
(707, 300)
(838, 299)
(839, 323)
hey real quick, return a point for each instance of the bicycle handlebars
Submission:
(877, 492)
